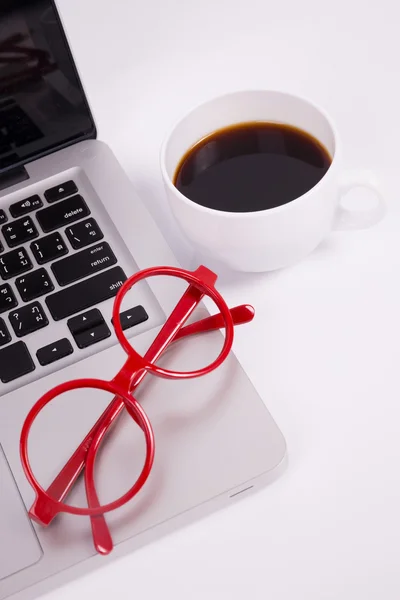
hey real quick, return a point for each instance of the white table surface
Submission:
(324, 351)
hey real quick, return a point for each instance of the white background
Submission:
(324, 351)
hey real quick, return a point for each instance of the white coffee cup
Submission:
(276, 237)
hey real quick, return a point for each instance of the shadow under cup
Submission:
(267, 239)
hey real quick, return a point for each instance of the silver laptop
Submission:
(71, 231)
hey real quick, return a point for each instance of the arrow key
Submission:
(52, 352)
(133, 316)
(85, 321)
(91, 336)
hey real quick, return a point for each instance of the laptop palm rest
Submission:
(19, 547)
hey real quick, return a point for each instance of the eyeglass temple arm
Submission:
(240, 315)
(65, 480)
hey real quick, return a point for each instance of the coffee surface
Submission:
(251, 167)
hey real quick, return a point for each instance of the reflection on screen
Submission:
(42, 104)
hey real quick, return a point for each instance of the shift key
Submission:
(85, 294)
(85, 263)
(62, 213)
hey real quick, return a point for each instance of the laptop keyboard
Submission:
(64, 268)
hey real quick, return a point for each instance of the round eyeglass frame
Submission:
(133, 407)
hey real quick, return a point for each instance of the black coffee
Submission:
(251, 166)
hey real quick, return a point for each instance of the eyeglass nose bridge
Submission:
(133, 366)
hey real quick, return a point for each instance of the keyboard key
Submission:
(15, 361)
(62, 213)
(133, 316)
(33, 285)
(60, 191)
(23, 207)
(54, 352)
(85, 294)
(5, 336)
(83, 234)
(14, 263)
(92, 336)
(3, 217)
(7, 298)
(84, 263)
(28, 319)
(49, 248)
(86, 320)
(19, 232)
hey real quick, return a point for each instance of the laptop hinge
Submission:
(13, 177)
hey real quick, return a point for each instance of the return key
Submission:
(83, 263)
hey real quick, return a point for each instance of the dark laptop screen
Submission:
(42, 104)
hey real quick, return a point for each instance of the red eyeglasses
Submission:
(49, 503)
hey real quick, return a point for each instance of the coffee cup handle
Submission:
(347, 219)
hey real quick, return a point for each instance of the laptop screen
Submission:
(42, 104)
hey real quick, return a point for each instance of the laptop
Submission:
(71, 231)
